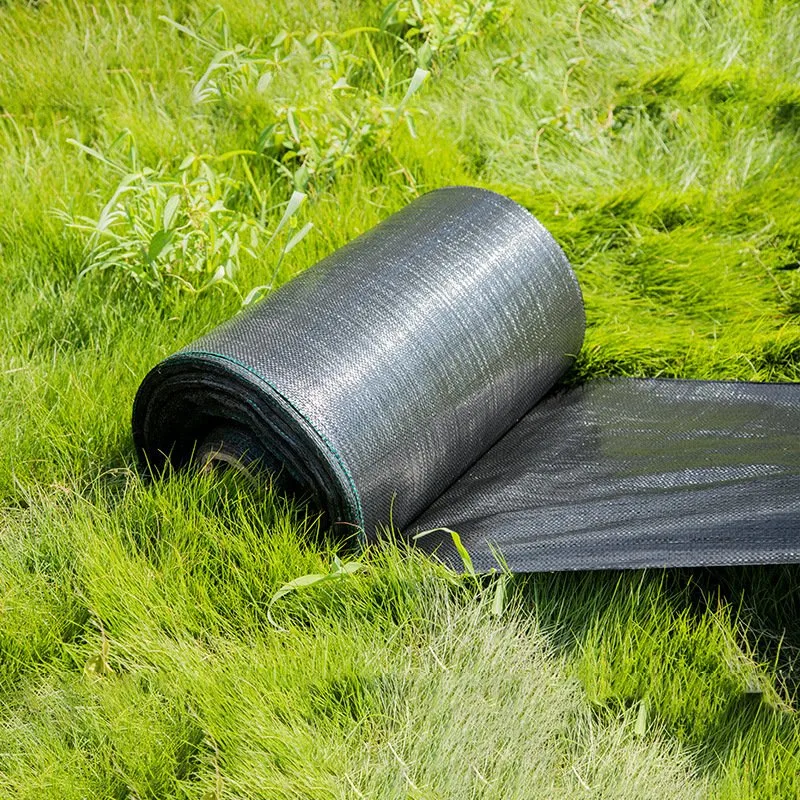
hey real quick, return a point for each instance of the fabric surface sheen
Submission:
(411, 378)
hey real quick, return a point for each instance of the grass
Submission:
(657, 141)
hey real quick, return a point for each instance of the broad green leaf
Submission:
(218, 276)
(295, 201)
(292, 123)
(298, 237)
(254, 294)
(301, 177)
(264, 81)
(417, 79)
(159, 244)
(170, 209)
(424, 55)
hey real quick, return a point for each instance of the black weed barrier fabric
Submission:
(412, 378)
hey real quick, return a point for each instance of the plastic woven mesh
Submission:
(406, 376)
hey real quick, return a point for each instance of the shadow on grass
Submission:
(714, 655)
(767, 599)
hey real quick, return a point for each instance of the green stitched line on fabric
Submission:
(334, 452)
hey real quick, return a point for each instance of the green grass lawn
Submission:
(139, 654)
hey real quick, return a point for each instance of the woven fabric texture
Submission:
(411, 377)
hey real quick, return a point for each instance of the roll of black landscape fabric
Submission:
(412, 377)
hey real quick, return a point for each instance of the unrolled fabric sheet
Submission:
(411, 378)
